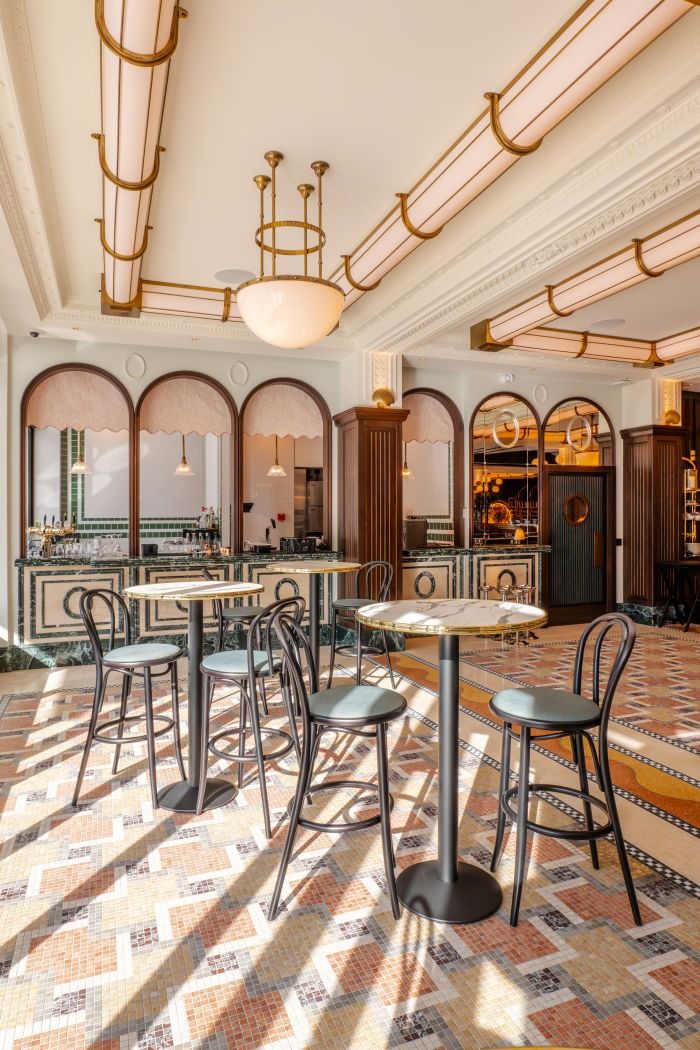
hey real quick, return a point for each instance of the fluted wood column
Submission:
(652, 511)
(370, 498)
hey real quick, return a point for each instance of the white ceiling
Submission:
(377, 89)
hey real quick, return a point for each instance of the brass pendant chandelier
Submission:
(290, 310)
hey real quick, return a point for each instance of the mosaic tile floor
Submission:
(124, 927)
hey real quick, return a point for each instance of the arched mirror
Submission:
(285, 451)
(577, 433)
(505, 462)
(76, 434)
(186, 424)
(433, 471)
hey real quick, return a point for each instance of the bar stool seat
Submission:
(240, 613)
(350, 603)
(544, 708)
(366, 704)
(147, 654)
(234, 662)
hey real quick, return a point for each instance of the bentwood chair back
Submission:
(373, 582)
(145, 660)
(228, 616)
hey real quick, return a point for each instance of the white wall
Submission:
(47, 473)
(273, 496)
(428, 492)
(107, 484)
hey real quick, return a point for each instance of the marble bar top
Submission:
(451, 616)
(168, 560)
(492, 548)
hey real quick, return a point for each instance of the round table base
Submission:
(474, 895)
(182, 798)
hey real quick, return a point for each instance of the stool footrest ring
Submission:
(350, 825)
(103, 738)
(572, 834)
(250, 756)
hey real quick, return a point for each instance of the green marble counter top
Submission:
(181, 559)
(492, 548)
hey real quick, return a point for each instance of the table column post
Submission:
(448, 760)
(314, 619)
(195, 633)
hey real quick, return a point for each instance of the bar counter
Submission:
(49, 628)
(464, 572)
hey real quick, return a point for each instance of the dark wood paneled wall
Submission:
(690, 415)
(370, 508)
(652, 495)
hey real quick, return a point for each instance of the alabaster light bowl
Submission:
(288, 311)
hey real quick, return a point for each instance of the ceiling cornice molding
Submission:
(32, 214)
(541, 234)
(523, 358)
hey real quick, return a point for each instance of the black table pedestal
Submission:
(315, 619)
(447, 890)
(182, 796)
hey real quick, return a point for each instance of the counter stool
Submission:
(228, 616)
(363, 710)
(371, 579)
(247, 670)
(130, 661)
(564, 714)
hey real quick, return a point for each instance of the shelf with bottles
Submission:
(691, 507)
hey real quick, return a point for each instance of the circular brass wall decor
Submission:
(576, 508)
(505, 415)
(587, 434)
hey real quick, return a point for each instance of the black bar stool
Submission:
(228, 616)
(247, 670)
(372, 584)
(564, 714)
(130, 661)
(360, 709)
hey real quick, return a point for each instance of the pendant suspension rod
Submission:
(320, 167)
(273, 157)
(262, 182)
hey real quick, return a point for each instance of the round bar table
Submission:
(447, 889)
(182, 796)
(314, 570)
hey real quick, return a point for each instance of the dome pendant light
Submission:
(290, 310)
(183, 469)
(276, 470)
(80, 467)
(406, 472)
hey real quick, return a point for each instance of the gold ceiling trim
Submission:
(227, 305)
(353, 283)
(641, 265)
(117, 255)
(123, 184)
(493, 98)
(413, 230)
(134, 57)
(552, 305)
(584, 345)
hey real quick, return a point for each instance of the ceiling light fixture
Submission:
(641, 260)
(183, 469)
(276, 470)
(406, 472)
(80, 467)
(642, 353)
(290, 310)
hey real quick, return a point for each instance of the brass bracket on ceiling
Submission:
(641, 265)
(480, 338)
(143, 184)
(135, 57)
(550, 303)
(116, 255)
(413, 230)
(653, 360)
(227, 305)
(353, 283)
(112, 308)
(493, 99)
(584, 345)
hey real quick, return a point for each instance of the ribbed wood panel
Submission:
(574, 580)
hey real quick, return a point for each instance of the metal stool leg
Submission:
(521, 846)
(358, 628)
(96, 707)
(617, 833)
(293, 825)
(388, 659)
(203, 744)
(580, 759)
(502, 788)
(242, 723)
(174, 691)
(122, 715)
(314, 741)
(263, 696)
(385, 811)
(150, 735)
(334, 624)
(260, 756)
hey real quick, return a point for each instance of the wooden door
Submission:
(578, 524)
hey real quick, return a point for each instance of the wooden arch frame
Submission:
(457, 456)
(70, 366)
(320, 403)
(540, 456)
(234, 456)
(605, 447)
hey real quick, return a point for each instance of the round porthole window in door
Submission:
(576, 508)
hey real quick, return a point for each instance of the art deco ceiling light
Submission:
(183, 469)
(639, 261)
(290, 310)
(406, 472)
(276, 470)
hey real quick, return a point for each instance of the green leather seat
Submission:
(356, 703)
(351, 603)
(146, 654)
(241, 613)
(234, 662)
(544, 708)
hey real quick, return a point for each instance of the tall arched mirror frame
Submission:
(277, 443)
(577, 432)
(505, 458)
(206, 439)
(93, 425)
(442, 450)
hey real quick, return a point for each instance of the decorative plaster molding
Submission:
(11, 206)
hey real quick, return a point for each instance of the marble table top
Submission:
(451, 616)
(302, 567)
(191, 590)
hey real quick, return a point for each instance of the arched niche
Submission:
(190, 411)
(287, 420)
(504, 471)
(434, 444)
(578, 433)
(74, 413)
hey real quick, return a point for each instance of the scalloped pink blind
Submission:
(185, 406)
(429, 420)
(283, 410)
(81, 400)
